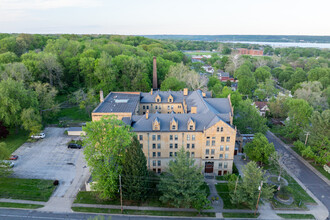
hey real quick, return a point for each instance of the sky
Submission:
(146, 17)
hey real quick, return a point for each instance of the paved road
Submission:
(18, 214)
(314, 183)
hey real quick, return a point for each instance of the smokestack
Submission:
(101, 96)
(154, 79)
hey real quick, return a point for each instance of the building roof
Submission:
(75, 129)
(178, 96)
(119, 102)
(260, 105)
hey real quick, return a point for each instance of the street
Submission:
(314, 183)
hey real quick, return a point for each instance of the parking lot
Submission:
(49, 158)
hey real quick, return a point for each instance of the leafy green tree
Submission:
(235, 96)
(31, 120)
(248, 119)
(135, 173)
(181, 185)
(259, 150)
(105, 72)
(51, 70)
(299, 76)
(298, 117)
(276, 72)
(8, 57)
(262, 74)
(212, 81)
(16, 71)
(265, 89)
(247, 190)
(105, 144)
(320, 127)
(172, 83)
(246, 85)
(279, 106)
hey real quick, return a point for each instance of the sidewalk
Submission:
(22, 201)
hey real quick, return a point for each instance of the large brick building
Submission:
(165, 121)
(244, 51)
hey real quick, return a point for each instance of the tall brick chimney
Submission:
(154, 78)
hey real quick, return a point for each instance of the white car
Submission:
(38, 136)
(6, 163)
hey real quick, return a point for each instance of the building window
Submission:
(160, 107)
(159, 163)
(227, 148)
(153, 154)
(218, 129)
(147, 106)
(212, 151)
(226, 156)
(179, 106)
(221, 147)
(220, 165)
(153, 137)
(159, 171)
(208, 143)
(158, 146)
(158, 154)
(188, 137)
(222, 139)
(221, 129)
(154, 163)
(156, 107)
(191, 127)
(192, 154)
(171, 137)
(171, 145)
(172, 107)
(188, 146)
(141, 137)
(207, 151)
(221, 156)
(171, 154)
(225, 165)
(176, 146)
(168, 107)
(176, 137)
(158, 137)
(154, 170)
(170, 100)
(175, 153)
(192, 146)
(213, 142)
(173, 127)
(193, 137)
(143, 107)
(228, 139)
(153, 146)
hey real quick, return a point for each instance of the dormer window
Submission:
(158, 98)
(170, 98)
(191, 125)
(156, 124)
(173, 125)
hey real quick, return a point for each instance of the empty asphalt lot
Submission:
(48, 158)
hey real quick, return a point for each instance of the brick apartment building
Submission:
(244, 51)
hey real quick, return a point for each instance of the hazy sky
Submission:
(298, 17)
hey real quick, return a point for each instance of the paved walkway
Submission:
(216, 204)
(22, 201)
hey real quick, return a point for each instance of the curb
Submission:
(301, 159)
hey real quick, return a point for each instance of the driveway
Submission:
(48, 158)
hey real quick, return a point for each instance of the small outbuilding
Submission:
(76, 131)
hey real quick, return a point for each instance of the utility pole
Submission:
(121, 195)
(259, 188)
(307, 134)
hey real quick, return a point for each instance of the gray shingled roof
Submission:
(221, 105)
(148, 98)
(119, 102)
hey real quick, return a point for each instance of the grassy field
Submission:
(297, 216)
(14, 141)
(19, 205)
(223, 192)
(26, 189)
(143, 212)
(239, 215)
(73, 115)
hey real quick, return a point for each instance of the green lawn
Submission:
(239, 215)
(19, 205)
(297, 216)
(14, 141)
(143, 212)
(73, 114)
(222, 189)
(26, 189)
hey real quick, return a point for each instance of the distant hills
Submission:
(258, 38)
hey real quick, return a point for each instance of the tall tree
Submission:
(4, 155)
(135, 173)
(259, 150)
(248, 189)
(320, 127)
(172, 83)
(181, 185)
(105, 144)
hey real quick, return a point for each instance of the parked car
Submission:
(38, 136)
(6, 163)
(74, 146)
(13, 157)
